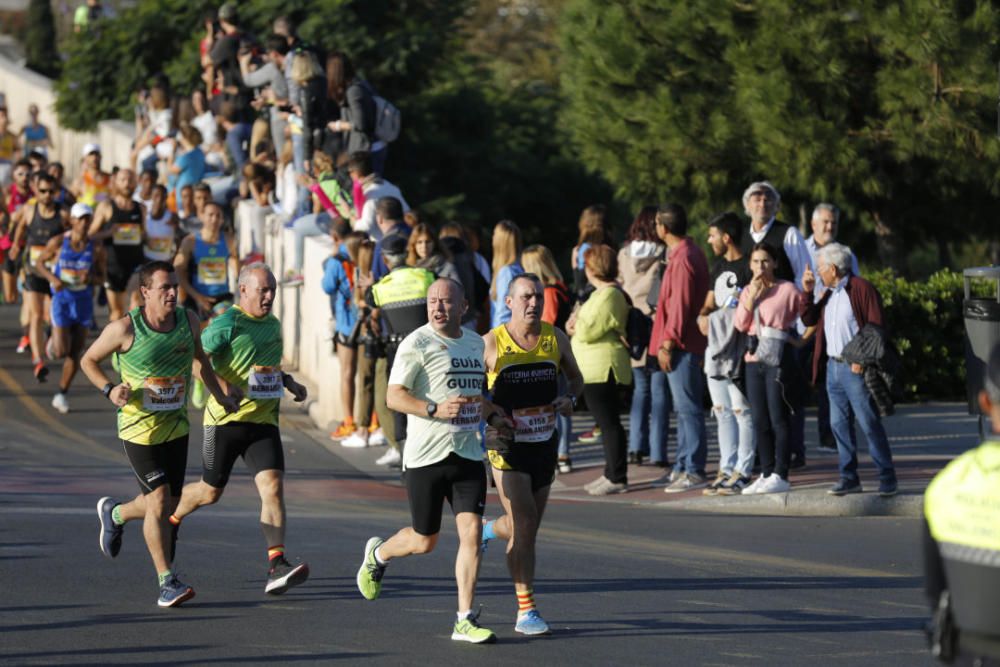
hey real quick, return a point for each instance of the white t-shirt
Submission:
(435, 368)
(374, 192)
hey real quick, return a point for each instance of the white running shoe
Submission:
(774, 484)
(391, 457)
(60, 403)
(377, 438)
(354, 441)
(755, 486)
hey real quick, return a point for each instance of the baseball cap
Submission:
(394, 244)
(91, 148)
(80, 209)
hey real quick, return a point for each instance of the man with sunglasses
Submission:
(38, 223)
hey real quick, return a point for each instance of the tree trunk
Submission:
(888, 242)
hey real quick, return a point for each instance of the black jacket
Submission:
(872, 349)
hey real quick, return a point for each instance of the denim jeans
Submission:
(732, 413)
(238, 135)
(314, 224)
(687, 384)
(771, 414)
(649, 418)
(850, 400)
(303, 198)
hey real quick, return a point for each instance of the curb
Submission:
(805, 503)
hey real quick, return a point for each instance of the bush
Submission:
(925, 320)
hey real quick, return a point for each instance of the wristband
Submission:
(106, 390)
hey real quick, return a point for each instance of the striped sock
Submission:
(525, 601)
(275, 551)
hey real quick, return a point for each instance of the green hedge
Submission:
(925, 319)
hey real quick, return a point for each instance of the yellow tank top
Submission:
(526, 382)
(95, 188)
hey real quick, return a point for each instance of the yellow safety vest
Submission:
(962, 503)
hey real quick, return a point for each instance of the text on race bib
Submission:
(468, 417)
(160, 394)
(127, 234)
(160, 245)
(534, 424)
(73, 278)
(212, 270)
(265, 382)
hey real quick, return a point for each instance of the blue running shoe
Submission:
(531, 623)
(110, 539)
(173, 592)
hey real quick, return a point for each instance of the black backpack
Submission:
(638, 329)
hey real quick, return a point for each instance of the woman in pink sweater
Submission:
(767, 311)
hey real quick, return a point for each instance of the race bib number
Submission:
(74, 279)
(127, 234)
(534, 424)
(265, 382)
(34, 252)
(163, 394)
(212, 271)
(468, 418)
(159, 246)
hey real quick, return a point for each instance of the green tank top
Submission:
(158, 369)
(246, 351)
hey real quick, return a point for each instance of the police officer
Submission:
(962, 544)
(400, 303)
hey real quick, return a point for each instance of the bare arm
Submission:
(201, 367)
(181, 263)
(567, 363)
(101, 216)
(116, 337)
(51, 252)
(400, 399)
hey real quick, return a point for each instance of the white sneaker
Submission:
(391, 457)
(60, 403)
(377, 438)
(755, 485)
(354, 440)
(774, 484)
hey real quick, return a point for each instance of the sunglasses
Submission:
(46, 191)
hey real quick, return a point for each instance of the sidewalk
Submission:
(924, 438)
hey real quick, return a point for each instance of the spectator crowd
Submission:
(298, 135)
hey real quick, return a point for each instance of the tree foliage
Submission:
(40, 39)
(885, 108)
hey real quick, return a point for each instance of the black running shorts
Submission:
(459, 480)
(11, 266)
(33, 283)
(537, 460)
(258, 444)
(156, 465)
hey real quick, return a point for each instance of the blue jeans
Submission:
(314, 224)
(687, 384)
(649, 419)
(732, 413)
(850, 400)
(235, 138)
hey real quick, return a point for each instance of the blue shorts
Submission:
(73, 308)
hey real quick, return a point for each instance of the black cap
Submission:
(394, 244)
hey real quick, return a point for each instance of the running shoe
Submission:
(590, 437)
(110, 539)
(376, 438)
(283, 575)
(370, 573)
(531, 623)
(60, 403)
(565, 466)
(41, 371)
(390, 458)
(469, 630)
(344, 430)
(686, 482)
(355, 440)
(23, 344)
(607, 488)
(173, 593)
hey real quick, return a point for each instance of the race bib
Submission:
(163, 394)
(212, 271)
(159, 246)
(534, 424)
(74, 279)
(265, 382)
(469, 416)
(127, 234)
(34, 252)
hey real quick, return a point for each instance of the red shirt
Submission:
(16, 199)
(682, 294)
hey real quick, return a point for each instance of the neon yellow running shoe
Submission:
(370, 573)
(469, 630)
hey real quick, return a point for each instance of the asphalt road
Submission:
(619, 583)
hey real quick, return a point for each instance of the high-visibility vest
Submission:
(402, 296)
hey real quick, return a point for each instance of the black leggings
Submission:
(771, 417)
(604, 404)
